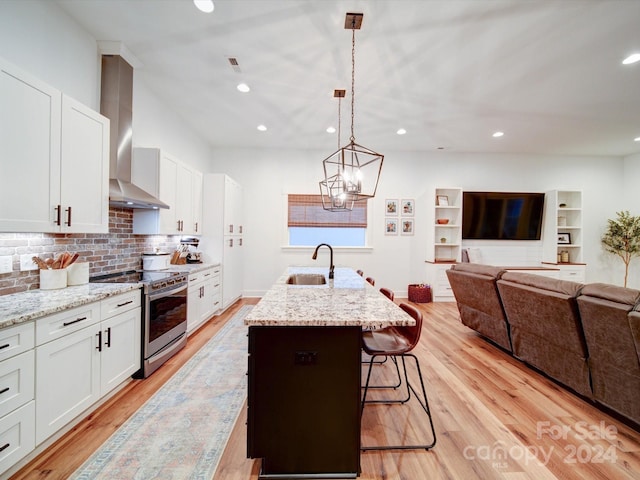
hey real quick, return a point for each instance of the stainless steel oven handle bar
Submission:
(153, 297)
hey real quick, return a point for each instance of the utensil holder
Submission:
(78, 273)
(53, 279)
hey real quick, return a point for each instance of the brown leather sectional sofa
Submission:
(586, 337)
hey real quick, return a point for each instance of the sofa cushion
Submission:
(566, 287)
(608, 322)
(545, 326)
(474, 287)
(626, 296)
(478, 269)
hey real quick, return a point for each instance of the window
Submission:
(309, 224)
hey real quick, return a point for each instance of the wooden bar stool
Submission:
(360, 272)
(371, 281)
(397, 343)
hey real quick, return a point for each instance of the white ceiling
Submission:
(451, 72)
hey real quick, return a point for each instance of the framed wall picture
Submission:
(564, 238)
(406, 207)
(442, 200)
(407, 226)
(391, 207)
(390, 226)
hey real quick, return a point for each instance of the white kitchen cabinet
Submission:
(173, 182)
(17, 390)
(82, 354)
(84, 178)
(196, 198)
(17, 433)
(30, 124)
(55, 173)
(120, 354)
(200, 297)
(216, 296)
(68, 380)
(222, 228)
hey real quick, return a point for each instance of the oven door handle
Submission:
(167, 293)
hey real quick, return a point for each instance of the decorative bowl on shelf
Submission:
(442, 221)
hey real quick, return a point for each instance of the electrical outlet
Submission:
(26, 262)
(6, 264)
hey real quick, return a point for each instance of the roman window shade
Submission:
(307, 211)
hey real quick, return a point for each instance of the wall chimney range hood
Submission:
(116, 103)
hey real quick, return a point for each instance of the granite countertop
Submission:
(25, 306)
(347, 300)
(191, 267)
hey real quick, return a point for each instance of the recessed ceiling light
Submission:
(498, 134)
(205, 6)
(631, 59)
(401, 131)
(637, 139)
(262, 128)
(331, 129)
(243, 87)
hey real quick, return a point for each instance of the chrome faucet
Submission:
(315, 255)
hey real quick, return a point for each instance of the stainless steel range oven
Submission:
(164, 313)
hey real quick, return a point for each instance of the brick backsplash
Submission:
(117, 250)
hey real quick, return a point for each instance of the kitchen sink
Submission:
(306, 279)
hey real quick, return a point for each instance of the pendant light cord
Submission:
(353, 75)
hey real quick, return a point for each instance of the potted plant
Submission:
(622, 238)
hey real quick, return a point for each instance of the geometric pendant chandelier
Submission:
(332, 192)
(352, 172)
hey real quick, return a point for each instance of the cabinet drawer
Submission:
(120, 303)
(17, 435)
(17, 339)
(63, 323)
(195, 278)
(17, 382)
(573, 274)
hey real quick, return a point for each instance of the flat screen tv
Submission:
(502, 215)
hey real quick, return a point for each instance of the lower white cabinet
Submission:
(201, 305)
(120, 355)
(17, 435)
(575, 273)
(75, 370)
(17, 385)
(437, 278)
(68, 380)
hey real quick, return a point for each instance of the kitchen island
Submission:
(304, 373)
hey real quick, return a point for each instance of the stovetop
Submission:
(153, 280)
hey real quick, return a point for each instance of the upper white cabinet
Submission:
(54, 159)
(84, 178)
(173, 182)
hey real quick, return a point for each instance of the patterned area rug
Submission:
(181, 432)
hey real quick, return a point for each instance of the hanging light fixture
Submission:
(332, 192)
(353, 171)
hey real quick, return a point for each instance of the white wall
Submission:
(632, 203)
(396, 261)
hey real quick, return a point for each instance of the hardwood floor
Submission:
(495, 418)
